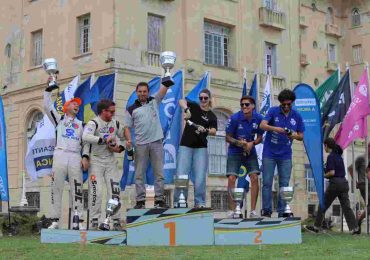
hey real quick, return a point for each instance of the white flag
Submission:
(69, 91)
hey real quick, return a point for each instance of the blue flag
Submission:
(244, 91)
(87, 96)
(193, 95)
(4, 190)
(104, 85)
(170, 116)
(308, 107)
(253, 90)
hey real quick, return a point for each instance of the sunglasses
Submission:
(245, 104)
(286, 104)
(203, 98)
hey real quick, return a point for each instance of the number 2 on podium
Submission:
(172, 229)
(257, 239)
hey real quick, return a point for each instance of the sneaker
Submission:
(356, 231)
(94, 224)
(266, 215)
(230, 214)
(199, 206)
(140, 205)
(54, 225)
(117, 226)
(160, 204)
(312, 229)
(253, 214)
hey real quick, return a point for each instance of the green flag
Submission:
(327, 89)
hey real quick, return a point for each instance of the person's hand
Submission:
(293, 136)
(248, 147)
(187, 113)
(202, 129)
(280, 130)
(128, 144)
(85, 163)
(114, 149)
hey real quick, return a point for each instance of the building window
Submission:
(217, 147)
(310, 182)
(155, 33)
(85, 196)
(35, 118)
(216, 44)
(332, 52)
(219, 200)
(357, 53)
(33, 199)
(8, 50)
(270, 58)
(270, 4)
(84, 29)
(36, 49)
(356, 17)
(330, 16)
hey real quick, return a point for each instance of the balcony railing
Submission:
(151, 58)
(278, 83)
(303, 60)
(331, 66)
(272, 18)
(333, 30)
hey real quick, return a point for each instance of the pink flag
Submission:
(354, 124)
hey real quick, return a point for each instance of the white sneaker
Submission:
(54, 225)
(253, 214)
(230, 214)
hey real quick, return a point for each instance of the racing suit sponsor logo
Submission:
(115, 189)
(93, 184)
(111, 129)
(78, 191)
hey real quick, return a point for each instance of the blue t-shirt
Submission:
(279, 146)
(240, 128)
(335, 163)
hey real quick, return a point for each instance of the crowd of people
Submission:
(93, 146)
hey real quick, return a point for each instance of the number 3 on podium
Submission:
(172, 228)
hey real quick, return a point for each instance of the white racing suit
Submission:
(103, 164)
(66, 159)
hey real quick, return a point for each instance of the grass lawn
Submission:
(322, 246)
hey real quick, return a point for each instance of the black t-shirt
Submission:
(335, 163)
(191, 138)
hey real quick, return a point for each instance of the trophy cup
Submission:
(182, 183)
(238, 196)
(51, 67)
(286, 194)
(113, 206)
(167, 60)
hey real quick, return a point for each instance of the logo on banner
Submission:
(1, 138)
(3, 192)
(43, 162)
(363, 90)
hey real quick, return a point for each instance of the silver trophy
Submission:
(113, 206)
(167, 60)
(182, 184)
(51, 67)
(238, 196)
(286, 194)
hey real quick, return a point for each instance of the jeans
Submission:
(284, 168)
(143, 153)
(338, 187)
(193, 161)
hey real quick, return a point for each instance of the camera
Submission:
(288, 131)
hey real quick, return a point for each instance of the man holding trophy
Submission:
(67, 159)
(143, 118)
(103, 134)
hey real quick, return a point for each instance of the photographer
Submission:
(101, 134)
(338, 187)
(283, 125)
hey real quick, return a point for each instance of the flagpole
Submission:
(258, 91)
(367, 159)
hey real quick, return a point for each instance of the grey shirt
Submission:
(144, 119)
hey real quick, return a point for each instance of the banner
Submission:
(170, 116)
(355, 122)
(4, 189)
(307, 105)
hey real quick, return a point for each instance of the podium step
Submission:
(257, 231)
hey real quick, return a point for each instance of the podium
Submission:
(83, 237)
(170, 227)
(257, 231)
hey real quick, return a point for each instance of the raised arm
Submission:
(50, 110)
(160, 94)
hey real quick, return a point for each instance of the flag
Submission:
(104, 85)
(337, 105)
(253, 90)
(4, 189)
(170, 117)
(308, 107)
(355, 122)
(327, 88)
(193, 95)
(39, 157)
(244, 91)
(267, 97)
(88, 95)
(67, 94)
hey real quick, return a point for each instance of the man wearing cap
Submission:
(243, 134)
(67, 159)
